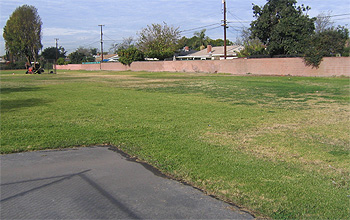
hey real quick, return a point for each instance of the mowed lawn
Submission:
(276, 146)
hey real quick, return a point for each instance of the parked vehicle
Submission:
(34, 68)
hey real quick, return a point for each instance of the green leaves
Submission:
(50, 53)
(285, 29)
(22, 33)
(329, 42)
(127, 56)
(82, 55)
(159, 41)
(282, 27)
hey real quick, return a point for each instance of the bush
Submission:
(252, 48)
(328, 43)
(61, 61)
(127, 56)
(13, 66)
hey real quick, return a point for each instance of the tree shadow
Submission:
(8, 105)
(19, 89)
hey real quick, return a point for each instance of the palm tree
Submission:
(202, 40)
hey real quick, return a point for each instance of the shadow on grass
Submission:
(19, 89)
(8, 105)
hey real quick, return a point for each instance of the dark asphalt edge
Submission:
(159, 173)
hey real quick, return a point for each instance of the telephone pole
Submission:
(101, 25)
(56, 39)
(225, 27)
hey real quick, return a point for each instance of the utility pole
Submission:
(56, 39)
(101, 25)
(225, 27)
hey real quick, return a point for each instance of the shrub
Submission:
(127, 56)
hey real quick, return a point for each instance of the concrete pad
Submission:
(98, 183)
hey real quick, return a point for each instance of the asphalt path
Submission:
(98, 183)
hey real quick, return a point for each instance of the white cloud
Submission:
(75, 22)
(56, 32)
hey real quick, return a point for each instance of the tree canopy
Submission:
(22, 33)
(126, 44)
(282, 26)
(158, 41)
(328, 42)
(129, 55)
(50, 53)
(82, 55)
(200, 41)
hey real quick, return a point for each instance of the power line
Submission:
(238, 19)
(331, 16)
(342, 19)
(110, 39)
(95, 42)
(338, 15)
(192, 29)
(213, 28)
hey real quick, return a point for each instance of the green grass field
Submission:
(276, 146)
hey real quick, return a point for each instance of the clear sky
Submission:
(75, 22)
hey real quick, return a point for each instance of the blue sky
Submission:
(75, 22)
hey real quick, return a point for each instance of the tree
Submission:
(323, 22)
(77, 57)
(219, 42)
(282, 26)
(202, 39)
(22, 33)
(329, 42)
(50, 53)
(158, 41)
(251, 48)
(93, 51)
(346, 51)
(245, 36)
(129, 55)
(127, 42)
(83, 55)
(61, 61)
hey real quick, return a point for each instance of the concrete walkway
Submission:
(98, 183)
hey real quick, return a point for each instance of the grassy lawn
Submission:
(277, 146)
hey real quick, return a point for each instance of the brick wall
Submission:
(331, 66)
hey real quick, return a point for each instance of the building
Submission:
(107, 58)
(212, 53)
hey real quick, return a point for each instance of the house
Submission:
(107, 58)
(212, 53)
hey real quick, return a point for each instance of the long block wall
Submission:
(330, 66)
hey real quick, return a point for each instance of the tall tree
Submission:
(159, 41)
(22, 33)
(282, 26)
